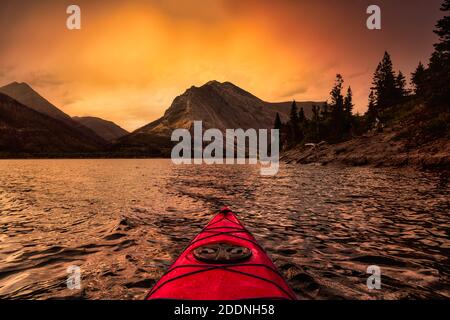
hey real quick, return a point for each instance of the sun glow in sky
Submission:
(132, 58)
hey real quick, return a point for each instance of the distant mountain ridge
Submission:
(108, 130)
(27, 96)
(217, 105)
(24, 131)
(27, 120)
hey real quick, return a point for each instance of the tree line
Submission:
(334, 120)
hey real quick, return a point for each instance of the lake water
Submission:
(124, 221)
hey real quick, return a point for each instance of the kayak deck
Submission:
(223, 262)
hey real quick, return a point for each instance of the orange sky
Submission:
(131, 58)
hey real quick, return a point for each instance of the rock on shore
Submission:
(382, 149)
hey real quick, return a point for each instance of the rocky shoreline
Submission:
(381, 149)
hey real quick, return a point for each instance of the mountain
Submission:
(24, 132)
(222, 106)
(108, 130)
(218, 105)
(23, 93)
(27, 96)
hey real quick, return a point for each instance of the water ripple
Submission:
(124, 221)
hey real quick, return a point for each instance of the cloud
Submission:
(294, 90)
(358, 74)
(132, 58)
(44, 79)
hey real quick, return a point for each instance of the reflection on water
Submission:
(124, 221)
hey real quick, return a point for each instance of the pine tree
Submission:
(384, 83)
(278, 123)
(301, 116)
(400, 85)
(337, 109)
(337, 99)
(294, 113)
(418, 80)
(294, 122)
(372, 111)
(348, 111)
(315, 112)
(443, 30)
(325, 111)
(438, 92)
(303, 123)
(315, 123)
(348, 103)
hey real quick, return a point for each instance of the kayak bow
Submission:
(223, 262)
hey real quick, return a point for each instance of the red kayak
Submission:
(223, 262)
